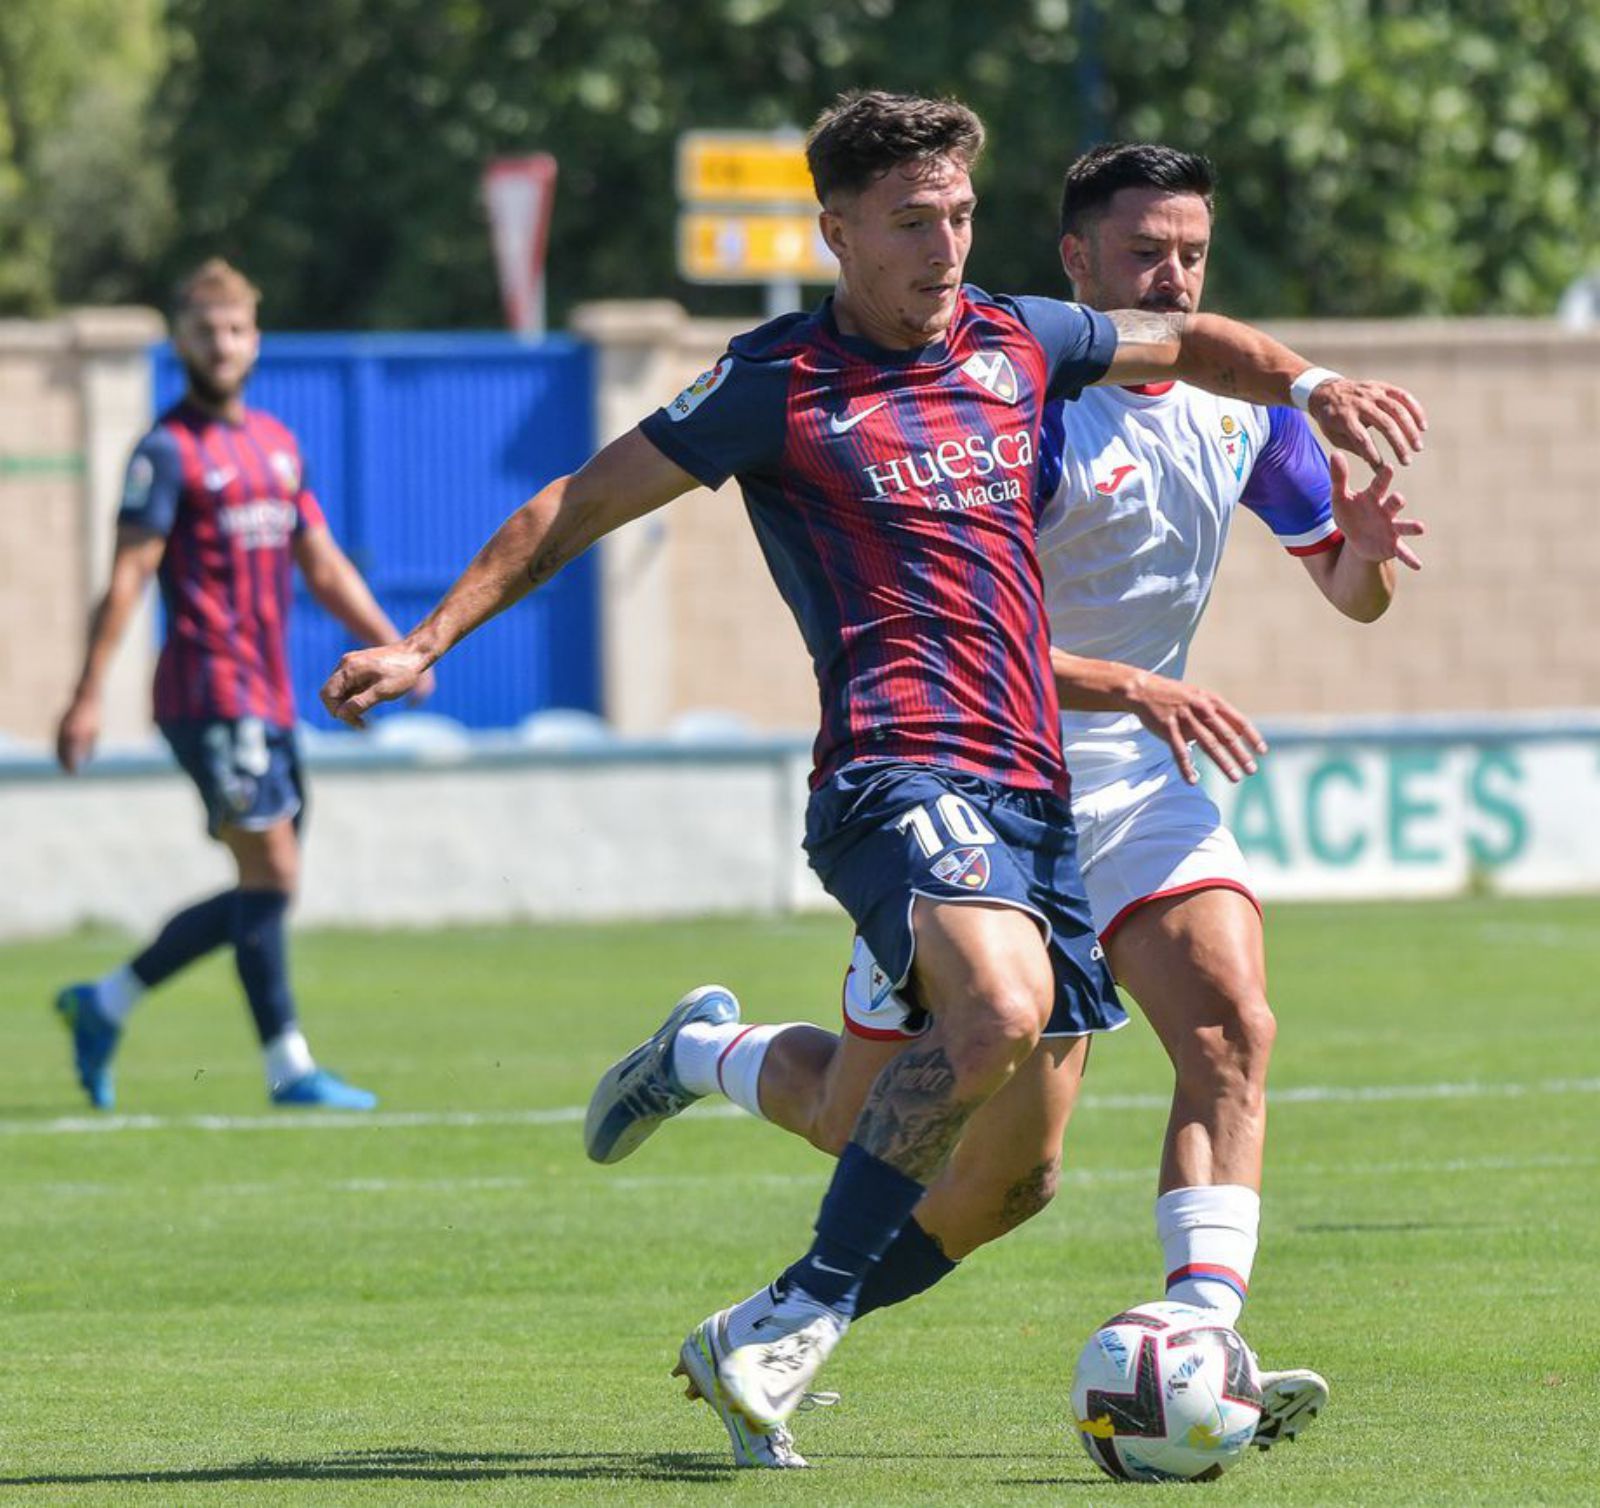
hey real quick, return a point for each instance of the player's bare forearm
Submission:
(626, 480)
(1361, 589)
(1173, 710)
(78, 731)
(1239, 361)
(530, 547)
(1088, 685)
(1358, 575)
(132, 566)
(1208, 350)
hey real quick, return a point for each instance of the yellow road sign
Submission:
(725, 167)
(752, 248)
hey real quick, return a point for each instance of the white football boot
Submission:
(764, 1378)
(1290, 1400)
(770, 1449)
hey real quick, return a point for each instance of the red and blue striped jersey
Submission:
(895, 496)
(230, 499)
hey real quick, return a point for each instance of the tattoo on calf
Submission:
(1029, 1195)
(912, 1119)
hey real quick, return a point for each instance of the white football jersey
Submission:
(1132, 531)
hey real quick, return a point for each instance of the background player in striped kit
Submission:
(885, 445)
(1141, 485)
(217, 507)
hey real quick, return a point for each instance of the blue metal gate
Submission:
(417, 447)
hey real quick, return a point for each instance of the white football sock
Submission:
(118, 993)
(288, 1057)
(1208, 1240)
(724, 1060)
(742, 1317)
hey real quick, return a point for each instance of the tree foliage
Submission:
(1377, 156)
(83, 207)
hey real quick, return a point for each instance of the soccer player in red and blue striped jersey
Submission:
(886, 447)
(217, 507)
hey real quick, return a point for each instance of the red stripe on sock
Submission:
(1212, 1270)
(726, 1050)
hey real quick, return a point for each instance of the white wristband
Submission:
(1301, 389)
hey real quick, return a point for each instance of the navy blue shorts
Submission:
(248, 772)
(880, 833)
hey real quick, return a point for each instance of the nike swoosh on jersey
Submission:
(841, 425)
(1116, 479)
(217, 480)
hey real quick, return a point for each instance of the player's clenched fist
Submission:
(366, 677)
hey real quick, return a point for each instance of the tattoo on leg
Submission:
(1029, 1194)
(912, 1119)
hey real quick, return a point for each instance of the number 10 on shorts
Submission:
(960, 822)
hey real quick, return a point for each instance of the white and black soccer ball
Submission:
(1165, 1392)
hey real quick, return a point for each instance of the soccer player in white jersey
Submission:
(1141, 487)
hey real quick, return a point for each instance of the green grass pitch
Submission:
(447, 1304)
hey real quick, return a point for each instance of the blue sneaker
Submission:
(94, 1042)
(321, 1090)
(639, 1092)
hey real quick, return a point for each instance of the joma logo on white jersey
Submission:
(952, 461)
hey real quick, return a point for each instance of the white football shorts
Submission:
(1148, 835)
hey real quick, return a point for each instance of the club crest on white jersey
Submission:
(992, 371)
(1235, 442)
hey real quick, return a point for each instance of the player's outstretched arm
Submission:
(1357, 576)
(1238, 361)
(1174, 710)
(342, 592)
(138, 554)
(626, 480)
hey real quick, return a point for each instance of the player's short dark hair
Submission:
(866, 132)
(1102, 171)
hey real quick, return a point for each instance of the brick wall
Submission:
(74, 395)
(1498, 619)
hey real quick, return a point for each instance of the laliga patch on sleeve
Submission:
(141, 478)
(699, 390)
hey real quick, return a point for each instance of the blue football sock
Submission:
(191, 934)
(862, 1212)
(261, 953)
(912, 1264)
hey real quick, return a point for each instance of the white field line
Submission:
(724, 1178)
(563, 1115)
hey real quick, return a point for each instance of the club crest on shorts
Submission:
(966, 867)
(879, 987)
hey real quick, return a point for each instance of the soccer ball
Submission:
(1165, 1392)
